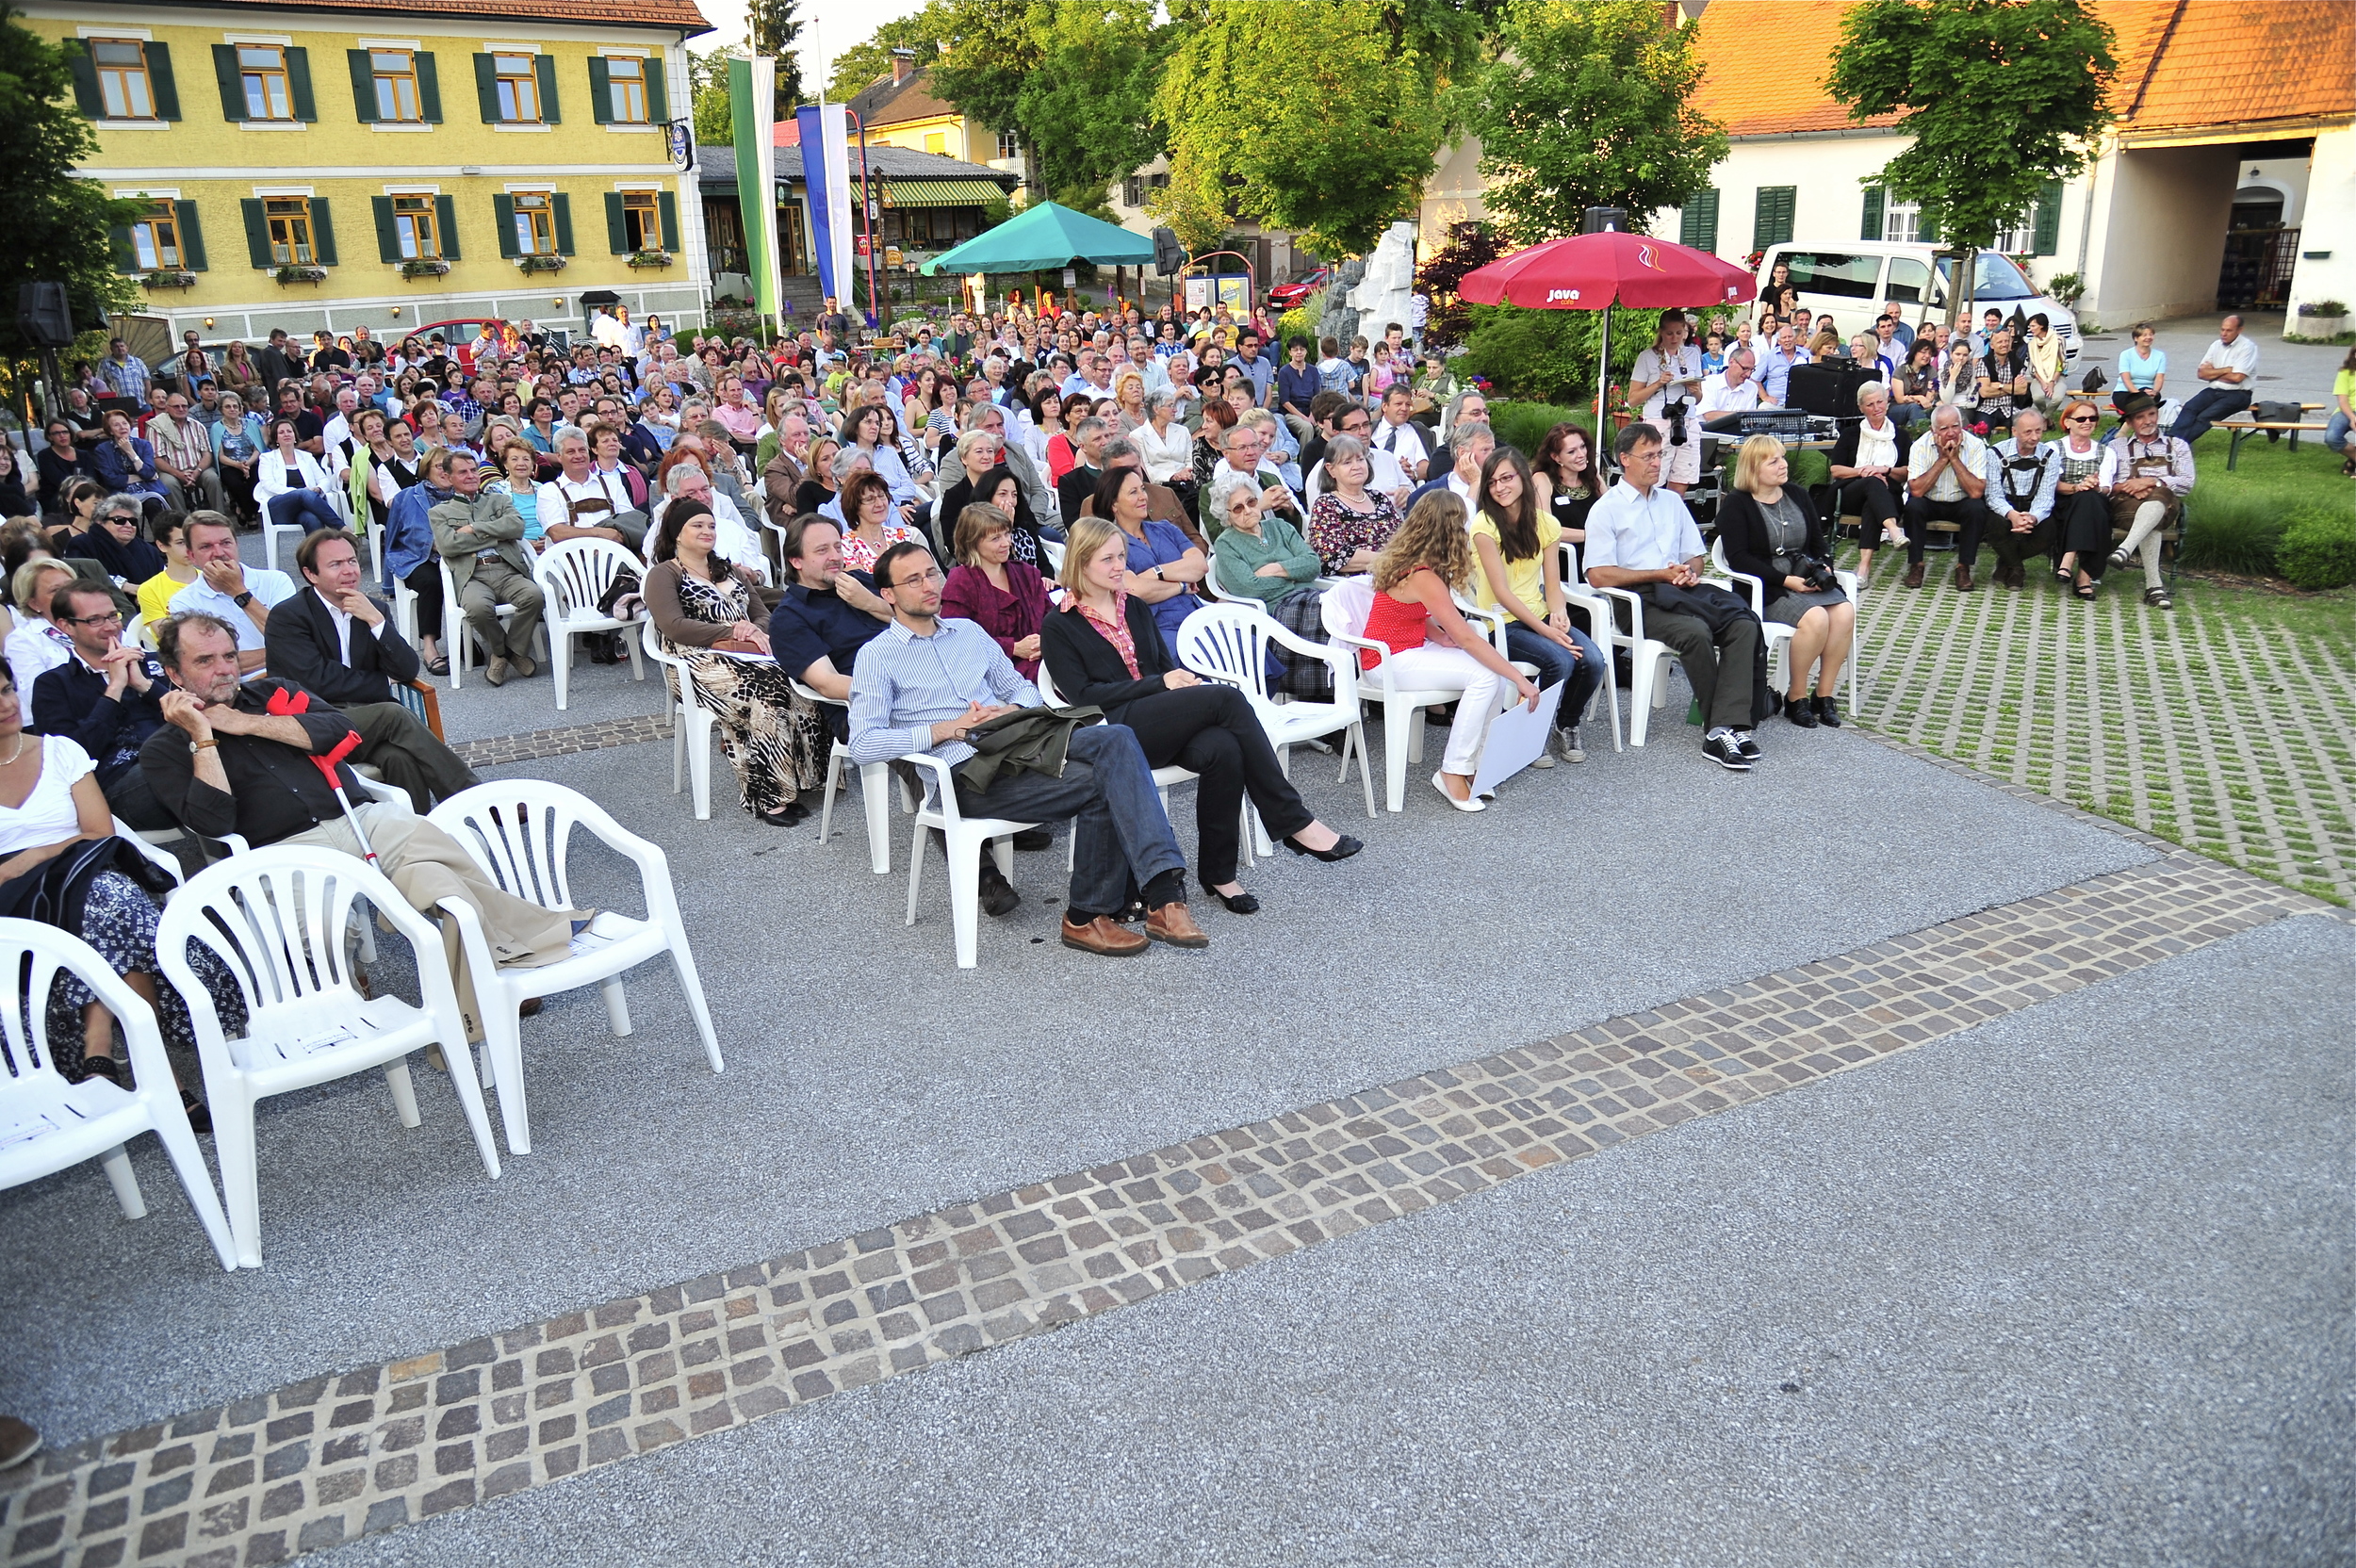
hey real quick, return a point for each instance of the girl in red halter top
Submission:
(1415, 577)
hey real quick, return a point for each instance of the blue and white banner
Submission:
(826, 175)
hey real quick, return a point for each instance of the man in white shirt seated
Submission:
(2228, 369)
(241, 596)
(1947, 480)
(1401, 437)
(1732, 390)
(588, 503)
(1641, 536)
(734, 541)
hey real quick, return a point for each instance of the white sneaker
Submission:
(1544, 759)
(1566, 742)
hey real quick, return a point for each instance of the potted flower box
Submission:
(540, 264)
(650, 258)
(168, 278)
(2324, 318)
(425, 267)
(301, 274)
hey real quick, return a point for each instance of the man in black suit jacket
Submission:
(335, 642)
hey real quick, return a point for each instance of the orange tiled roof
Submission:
(2182, 63)
(681, 14)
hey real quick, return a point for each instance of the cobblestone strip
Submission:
(501, 750)
(331, 1457)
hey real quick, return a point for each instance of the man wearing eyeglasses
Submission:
(105, 697)
(923, 684)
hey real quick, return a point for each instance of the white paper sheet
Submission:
(1516, 738)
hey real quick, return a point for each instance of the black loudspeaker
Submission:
(1604, 220)
(44, 316)
(1168, 255)
(1829, 386)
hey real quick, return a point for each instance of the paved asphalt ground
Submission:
(2070, 1287)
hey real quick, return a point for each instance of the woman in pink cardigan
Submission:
(1005, 597)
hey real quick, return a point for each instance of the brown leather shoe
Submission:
(1174, 924)
(1102, 937)
(1963, 581)
(496, 672)
(522, 664)
(1914, 575)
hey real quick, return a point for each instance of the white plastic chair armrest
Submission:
(943, 781)
(1636, 609)
(1757, 589)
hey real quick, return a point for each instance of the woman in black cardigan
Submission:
(1869, 472)
(1102, 648)
(1768, 529)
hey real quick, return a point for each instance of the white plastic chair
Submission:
(573, 576)
(276, 918)
(1229, 643)
(966, 836)
(1345, 610)
(520, 831)
(690, 726)
(1577, 594)
(874, 789)
(454, 623)
(47, 1124)
(1777, 635)
(1054, 555)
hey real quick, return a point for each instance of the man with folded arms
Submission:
(338, 644)
(923, 684)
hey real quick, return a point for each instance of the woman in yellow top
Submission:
(1521, 572)
(170, 534)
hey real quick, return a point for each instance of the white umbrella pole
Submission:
(1603, 387)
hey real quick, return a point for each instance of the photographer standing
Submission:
(1666, 385)
(1769, 531)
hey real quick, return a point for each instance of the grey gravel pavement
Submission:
(2073, 1287)
(868, 1079)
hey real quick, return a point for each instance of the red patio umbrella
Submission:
(1593, 272)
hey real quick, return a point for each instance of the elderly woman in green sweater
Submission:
(1262, 556)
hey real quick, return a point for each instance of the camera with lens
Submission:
(1813, 572)
(1673, 410)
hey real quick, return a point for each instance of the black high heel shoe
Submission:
(1344, 847)
(1242, 903)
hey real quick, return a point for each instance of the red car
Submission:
(1285, 295)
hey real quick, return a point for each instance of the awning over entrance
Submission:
(938, 193)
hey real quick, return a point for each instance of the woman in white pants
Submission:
(1415, 615)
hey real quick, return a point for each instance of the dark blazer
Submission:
(300, 646)
(1743, 529)
(1087, 668)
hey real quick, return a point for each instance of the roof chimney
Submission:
(903, 65)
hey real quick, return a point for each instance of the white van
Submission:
(1854, 279)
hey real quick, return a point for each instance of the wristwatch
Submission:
(1157, 574)
(243, 599)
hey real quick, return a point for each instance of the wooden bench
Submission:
(2243, 427)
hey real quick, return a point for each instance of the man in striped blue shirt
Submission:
(923, 684)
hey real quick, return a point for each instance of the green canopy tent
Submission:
(1042, 238)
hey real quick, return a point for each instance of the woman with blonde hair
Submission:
(1771, 531)
(1416, 578)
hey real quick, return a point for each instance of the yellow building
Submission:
(338, 165)
(901, 111)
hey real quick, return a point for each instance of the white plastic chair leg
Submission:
(503, 1068)
(965, 899)
(875, 794)
(617, 1005)
(691, 984)
(1641, 696)
(116, 1163)
(834, 782)
(562, 667)
(405, 1092)
(916, 868)
(240, 1181)
(1395, 716)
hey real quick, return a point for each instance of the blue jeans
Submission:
(306, 507)
(1123, 834)
(2205, 408)
(1555, 664)
(2335, 432)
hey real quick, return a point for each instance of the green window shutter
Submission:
(256, 232)
(564, 206)
(2046, 230)
(1776, 204)
(1871, 227)
(86, 94)
(658, 98)
(600, 91)
(299, 84)
(429, 90)
(118, 236)
(486, 87)
(503, 214)
(1697, 222)
(363, 85)
(1689, 223)
(161, 82)
(322, 234)
(232, 86)
(667, 205)
(387, 236)
(191, 236)
(445, 226)
(544, 71)
(617, 235)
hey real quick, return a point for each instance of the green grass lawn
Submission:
(2235, 519)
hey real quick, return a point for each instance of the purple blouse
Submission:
(1008, 617)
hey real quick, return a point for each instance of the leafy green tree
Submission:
(989, 52)
(708, 90)
(774, 28)
(1308, 115)
(1589, 106)
(863, 65)
(1085, 111)
(1997, 97)
(58, 224)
